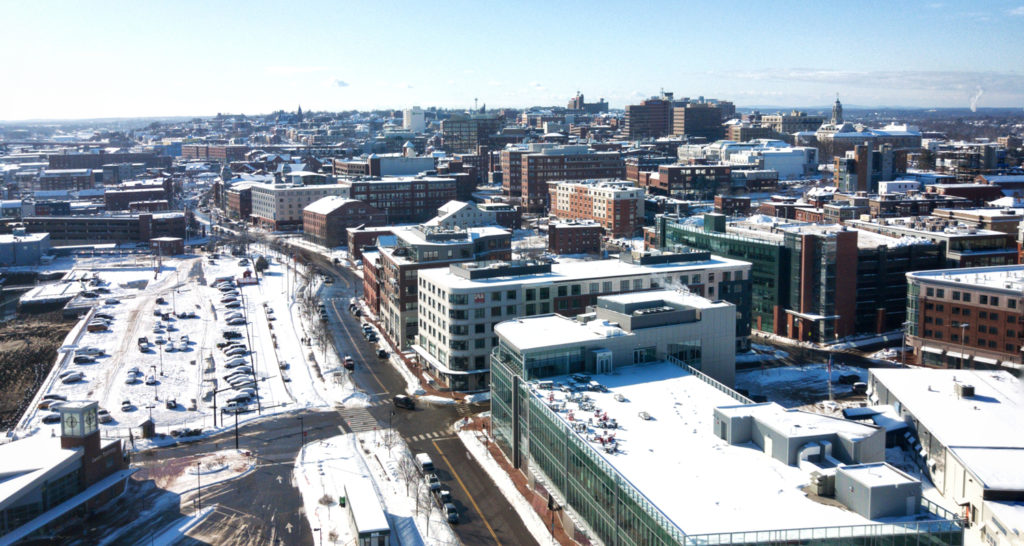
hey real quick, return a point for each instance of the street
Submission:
(262, 507)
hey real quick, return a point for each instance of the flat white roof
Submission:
(1006, 277)
(545, 330)
(327, 205)
(877, 474)
(28, 461)
(677, 453)
(574, 271)
(989, 419)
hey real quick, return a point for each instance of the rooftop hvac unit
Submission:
(963, 391)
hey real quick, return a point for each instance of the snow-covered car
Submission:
(234, 314)
(433, 482)
(89, 351)
(71, 377)
(126, 405)
(51, 418)
(104, 416)
(247, 370)
(228, 299)
(236, 351)
(233, 305)
(151, 380)
(236, 362)
(83, 359)
(236, 322)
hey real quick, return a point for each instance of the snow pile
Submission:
(380, 459)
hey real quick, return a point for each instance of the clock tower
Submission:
(79, 426)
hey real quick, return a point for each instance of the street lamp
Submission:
(963, 332)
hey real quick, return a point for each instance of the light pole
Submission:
(963, 332)
(199, 491)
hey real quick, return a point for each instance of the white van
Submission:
(424, 462)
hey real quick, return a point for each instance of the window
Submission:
(993, 316)
(545, 293)
(531, 309)
(545, 308)
(995, 301)
(496, 311)
(563, 305)
(623, 286)
(993, 330)
(956, 295)
(967, 297)
(510, 310)
(638, 284)
(531, 294)
(929, 292)
(593, 288)
(510, 295)
(1011, 319)
(479, 343)
(606, 286)
(991, 344)
(982, 314)
(479, 313)
(956, 310)
(563, 291)
(575, 289)
(1012, 304)
(929, 306)
(479, 328)
(940, 293)
(983, 299)
(495, 296)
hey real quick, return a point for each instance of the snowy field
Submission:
(794, 386)
(369, 461)
(188, 367)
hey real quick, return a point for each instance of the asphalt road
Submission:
(485, 517)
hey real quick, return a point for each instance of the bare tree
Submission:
(409, 473)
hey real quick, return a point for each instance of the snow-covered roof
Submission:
(983, 430)
(562, 272)
(877, 474)
(327, 205)
(28, 462)
(741, 489)
(1004, 277)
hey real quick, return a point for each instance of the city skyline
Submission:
(194, 59)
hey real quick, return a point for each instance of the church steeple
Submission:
(837, 112)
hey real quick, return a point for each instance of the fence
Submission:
(710, 381)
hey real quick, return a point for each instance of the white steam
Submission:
(974, 99)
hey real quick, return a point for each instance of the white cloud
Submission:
(1018, 11)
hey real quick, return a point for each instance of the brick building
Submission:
(405, 199)
(575, 237)
(701, 182)
(652, 118)
(732, 205)
(966, 318)
(121, 199)
(362, 237)
(214, 152)
(697, 119)
(279, 206)
(119, 228)
(563, 163)
(64, 179)
(618, 206)
(98, 160)
(326, 221)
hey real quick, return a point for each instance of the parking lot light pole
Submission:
(963, 357)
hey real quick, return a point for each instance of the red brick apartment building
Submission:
(618, 206)
(326, 221)
(966, 318)
(575, 237)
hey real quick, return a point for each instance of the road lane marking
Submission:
(468, 494)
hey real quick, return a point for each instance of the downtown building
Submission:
(327, 220)
(463, 133)
(405, 199)
(616, 205)
(967, 318)
(812, 282)
(624, 418)
(526, 170)
(278, 207)
(391, 272)
(460, 305)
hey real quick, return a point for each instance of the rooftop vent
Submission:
(963, 390)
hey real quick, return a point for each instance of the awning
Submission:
(983, 360)
(954, 354)
(932, 350)
(1009, 364)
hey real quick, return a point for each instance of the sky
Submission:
(64, 59)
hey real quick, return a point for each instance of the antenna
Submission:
(475, 103)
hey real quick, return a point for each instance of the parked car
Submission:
(283, 365)
(88, 351)
(83, 359)
(349, 363)
(433, 482)
(451, 512)
(233, 305)
(228, 299)
(161, 300)
(104, 316)
(381, 353)
(72, 377)
(235, 362)
(126, 405)
(104, 416)
(51, 418)
(151, 380)
(236, 322)
(232, 334)
(171, 403)
(236, 351)
(113, 301)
